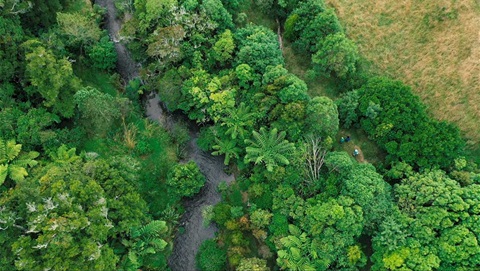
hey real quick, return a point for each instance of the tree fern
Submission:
(238, 120)
(228, 148)
(64, 155)
(12, 163)
(269, 148)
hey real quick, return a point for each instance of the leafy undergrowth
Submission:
(96, 78)
(431, 45)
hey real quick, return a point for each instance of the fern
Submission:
(3, 173)
(11, 164)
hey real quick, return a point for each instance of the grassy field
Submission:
(432, 45)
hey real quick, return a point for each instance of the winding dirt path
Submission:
(185, 245)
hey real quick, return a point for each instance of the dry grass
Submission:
(129, 135)
(432, 45)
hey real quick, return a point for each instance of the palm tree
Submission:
(269, 148)
(13, 165)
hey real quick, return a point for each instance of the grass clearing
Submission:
(432, 45)
(369, 150)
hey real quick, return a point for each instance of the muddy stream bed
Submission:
(187, 243)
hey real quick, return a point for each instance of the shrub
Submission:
(186, 179)
(211, 257)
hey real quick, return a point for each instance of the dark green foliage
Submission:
(211, 257)
(368, 189)
(11, 36)
(103, 54)
(42, 14)
(309, 25)
(221, 213)
(321, 117)
(398, 121)
(347, 109)
(336, 55)
(34, 128)
(258, 47)
(217, 13)
(99, 111)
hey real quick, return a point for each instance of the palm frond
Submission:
(12, 149)
(3, 173)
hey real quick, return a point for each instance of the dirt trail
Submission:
(185, 245)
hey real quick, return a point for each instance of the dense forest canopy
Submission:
(88, 182)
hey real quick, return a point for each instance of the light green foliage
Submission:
(224, 47)
(245, 76)
(69, 211)
(322, 117)
(64, 219)
(334, 226)
(52, 78)
(151, 12)
(294, 251)
(252, 264)
(79, 29)
(339, 161)
(206, 97)
(268, 148)
(210, 257)
(103, 54)
(98, 111)
(338, 55)
(186, 179)
(165, 44)
(144, 245)
(286, 203)
(438, 230)
(260, 218)
(13, 164)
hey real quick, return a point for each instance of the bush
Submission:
(397, 120)
(210, 257)
(186, 179)
(103, 54)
